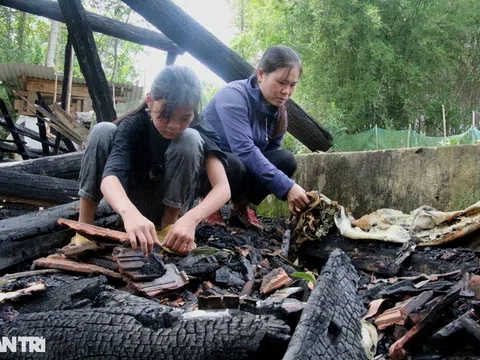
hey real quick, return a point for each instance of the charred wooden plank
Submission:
(398, 315)
(191, 36)
(399, 350)
(137, 266)
(63, 263)
(146, 332)
(65, 166)
(101, 24)
(172, 280)
(330, 324)
(80, 31)
(94, 232)
(36, 189)
(274, 280)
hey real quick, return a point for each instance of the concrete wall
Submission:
(447, 178)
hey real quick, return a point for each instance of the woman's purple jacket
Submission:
(244, 124)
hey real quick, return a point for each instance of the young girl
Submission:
(251, 119)
(147, 165)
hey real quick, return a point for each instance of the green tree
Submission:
(375, 62)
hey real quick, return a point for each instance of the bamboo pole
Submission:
(408, 138)
(444, 123)
(70, 78)
(473, 127)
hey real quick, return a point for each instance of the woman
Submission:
(147, 165)
(251, 119)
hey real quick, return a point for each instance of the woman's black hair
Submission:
(177, 86)
(280, 57)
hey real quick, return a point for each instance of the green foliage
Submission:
(305, 276)
(24, 39)
(208, 90)
(376, 62)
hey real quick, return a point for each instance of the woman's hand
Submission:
(140, 230)
(181, 236)
(297, 198)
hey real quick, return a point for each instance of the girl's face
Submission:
(278, 86)
(180, 118)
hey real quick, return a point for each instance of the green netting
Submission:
(374, 139)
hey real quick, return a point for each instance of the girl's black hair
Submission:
(178, 86)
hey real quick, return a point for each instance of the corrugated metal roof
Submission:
(10, 73)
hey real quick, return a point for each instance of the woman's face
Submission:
(278, 86)
(180, 118)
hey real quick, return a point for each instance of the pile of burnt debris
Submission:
(241, 294)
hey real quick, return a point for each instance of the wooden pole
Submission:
(169, 18)
(66, 80)
(70, 81)
(473, 127)
(56, 87)
(376, 135)
(42, 130)
(444, 123)
(409, 132)
(80, 32)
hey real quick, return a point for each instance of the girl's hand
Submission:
(140, 230)
(181, 236)
(297, 198)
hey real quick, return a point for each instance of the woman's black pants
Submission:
(244, 184)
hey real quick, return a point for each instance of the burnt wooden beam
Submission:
(67, 73)
(171, 57)
(32, 235)
(31, 153)
(11, 125)
(32, 134)
(36, 189)
(64, 166)
(42, 130)
(191, 36)
(234, 336)
(80, 32)
(330, 327)
(101, 24)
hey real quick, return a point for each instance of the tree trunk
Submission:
(80, 31)
(36, 189)
(65, 166)
(51, 10)
(21, 36)
(52, 43)
(190, 35)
